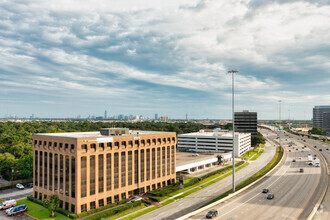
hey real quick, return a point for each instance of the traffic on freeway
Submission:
(293, 189)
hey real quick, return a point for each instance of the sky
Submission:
(66, 58)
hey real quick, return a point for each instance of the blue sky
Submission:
(67, 58)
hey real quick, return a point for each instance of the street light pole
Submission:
(233, 115)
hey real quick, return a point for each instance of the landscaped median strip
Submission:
(272, 165)
(190, 190)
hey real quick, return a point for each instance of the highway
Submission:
(324, 211)
(295, 193)
(201, 197)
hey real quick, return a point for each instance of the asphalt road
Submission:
(295, 193)
(15, 193)
(198, 199)
(324, 210)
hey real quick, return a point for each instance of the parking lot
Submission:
(19, 216)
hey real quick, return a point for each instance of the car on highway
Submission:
(327, 148)
(19, 186)
(299, 158)
(301, 170)
(302, 151)
(289, 150)
(297, 149)
(212, 213)
(293, 160)
(320, 149)
(265, 190)
(315, 146)
(270, 196)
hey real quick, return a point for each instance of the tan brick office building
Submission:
(92, 169)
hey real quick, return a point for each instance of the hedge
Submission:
(115, 211)
(101, 208)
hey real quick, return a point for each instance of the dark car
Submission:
(301, 170)
(327, 148)
(212, 213)
(297, 149)
(270, 196)
(29, 185)
(265, 190)
(315, 147)
(320, 149)
(289, 150)
(293, 160)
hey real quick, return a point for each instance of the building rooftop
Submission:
(97, 134)
(215, 132)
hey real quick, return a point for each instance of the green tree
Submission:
(24, 167)
(7, 162)
(317, 131)
(52, 203)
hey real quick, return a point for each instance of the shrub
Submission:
(147, 202)
(101, 208)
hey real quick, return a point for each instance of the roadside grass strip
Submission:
(276, 159)
(38, 211)
(141, 213)
(250, 153)
(192, 189)
(257, 155)
(126, 212)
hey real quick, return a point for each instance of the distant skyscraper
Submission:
(105, 114)
(164, 118)
(156, 116)
(318, 115)
(246, 122)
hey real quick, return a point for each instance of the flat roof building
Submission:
(318, 115)
(246, 122)
(214, 141)
(326, 123)
(88, 170)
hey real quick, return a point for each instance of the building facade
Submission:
(88, 170)
(246, 122)
(214, 141)
(326, 123)
(318, 115)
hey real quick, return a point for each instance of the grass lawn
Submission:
(126, 212)
(1, 200)
(38, 211)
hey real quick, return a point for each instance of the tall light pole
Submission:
(233, 111)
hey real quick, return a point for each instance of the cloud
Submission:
(150, 52)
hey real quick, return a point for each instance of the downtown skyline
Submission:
(67, 58)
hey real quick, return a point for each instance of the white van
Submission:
(7, 204)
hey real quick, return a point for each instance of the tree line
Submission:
(16, 154)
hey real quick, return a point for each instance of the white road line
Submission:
(255, 195)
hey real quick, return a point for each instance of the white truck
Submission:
(7, 204)
(317, 162)
(310, 160)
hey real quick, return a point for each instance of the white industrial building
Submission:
(214, 141)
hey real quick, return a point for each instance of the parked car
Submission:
(16, 210)
(19, 186)
(265, 190)
(270, 196)
(29, 185)
(7, 204)
(212, 213)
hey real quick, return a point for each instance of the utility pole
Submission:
(233, 115)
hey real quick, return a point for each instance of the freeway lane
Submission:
(323, 212)
(198, 199)
(292, 191)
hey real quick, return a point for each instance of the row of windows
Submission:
(54, 144)
(124, 144)
(134, 167)
(47, 163)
